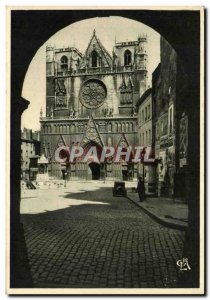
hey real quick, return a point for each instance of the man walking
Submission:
(141, 190)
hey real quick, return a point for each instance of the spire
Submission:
(94, 31)
(113, 53)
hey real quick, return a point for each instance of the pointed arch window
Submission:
(94, 58)
(127, 58)
(64, 63)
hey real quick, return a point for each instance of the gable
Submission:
(91, 134)
(123, 142)
(60, 143)
(103, 55)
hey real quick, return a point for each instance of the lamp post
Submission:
(142, 159)
(65, 178)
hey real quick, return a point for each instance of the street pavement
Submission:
(83, 237)
(170, 212)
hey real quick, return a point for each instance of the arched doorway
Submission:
(95, 169)
(91, 158)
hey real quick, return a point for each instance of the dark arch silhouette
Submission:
(127, 58)
(95, 169)
(32, 28)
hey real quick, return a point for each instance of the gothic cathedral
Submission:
(90, 100)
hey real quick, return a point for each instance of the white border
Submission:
(105, 291)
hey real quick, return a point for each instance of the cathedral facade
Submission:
(91, 100)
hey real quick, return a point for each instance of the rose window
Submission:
(93, 93)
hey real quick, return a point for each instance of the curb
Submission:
(158, 219)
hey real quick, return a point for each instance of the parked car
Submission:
(119, 189)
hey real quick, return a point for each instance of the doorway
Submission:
(95, 169)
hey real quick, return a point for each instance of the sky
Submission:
(108, 29)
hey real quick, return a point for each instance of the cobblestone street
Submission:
(82, 236)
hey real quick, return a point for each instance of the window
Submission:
(142, 116)
(110, 127)
(165, 124)
(127, 58)
(149, 111)
(146, 113)
(131, 126)
(149, 142)
(123, 127)
(64, 63)
(161, 127)
(170, 119)
(94, 59)
(157, 130)
(73, 128)
(127, 127)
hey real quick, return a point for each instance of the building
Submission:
(169, 92)
(90, 100)
(30, 151)
(144, 110)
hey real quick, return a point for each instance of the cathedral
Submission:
(91, 100)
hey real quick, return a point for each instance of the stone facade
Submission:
(169, 89)
(30, 150)
(145, 134)
(144, 109)
(95, 87)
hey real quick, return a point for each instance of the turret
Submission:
(141, 53)
(49, 61)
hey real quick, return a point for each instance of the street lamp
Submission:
(65, 178)
(142, 159)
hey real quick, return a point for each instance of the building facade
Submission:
(30, 151)
(147, 170)
(144, 112)
(169, 93)
(90, 100)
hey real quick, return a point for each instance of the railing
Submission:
(77, 118)
(99, 70)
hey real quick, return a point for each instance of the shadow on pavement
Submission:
(105, 239)
(103, 194)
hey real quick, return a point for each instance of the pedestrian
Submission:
(141, 190)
